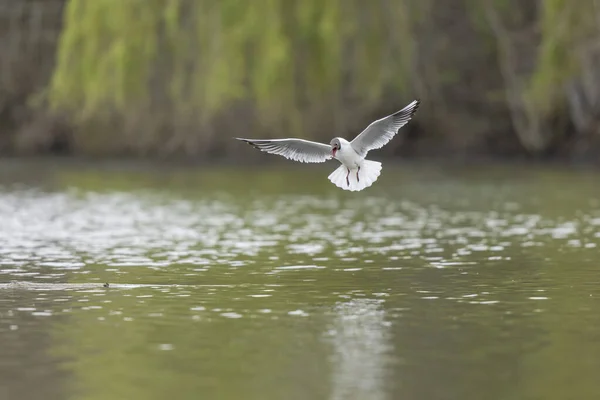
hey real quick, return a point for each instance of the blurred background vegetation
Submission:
(173, 78)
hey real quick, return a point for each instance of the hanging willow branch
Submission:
(278, 54)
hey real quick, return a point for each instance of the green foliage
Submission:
(202, 56)
(104, 53)
(170, 71)
(565, 26)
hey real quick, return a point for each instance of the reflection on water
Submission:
(360, 338)
(260, 284)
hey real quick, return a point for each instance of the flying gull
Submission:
(355, 173)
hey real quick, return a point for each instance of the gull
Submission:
(355, 173)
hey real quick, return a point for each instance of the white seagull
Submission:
(355, 173)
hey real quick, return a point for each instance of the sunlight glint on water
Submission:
(446, 286)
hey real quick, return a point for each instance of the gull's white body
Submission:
(347, 155)
(355, 173)
(348, 176)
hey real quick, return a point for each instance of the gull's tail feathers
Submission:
(368, 173)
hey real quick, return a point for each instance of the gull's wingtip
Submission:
(409, 110)
(244, 140)
(412, 107)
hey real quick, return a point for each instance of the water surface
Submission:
(271, 283)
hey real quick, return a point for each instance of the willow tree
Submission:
(544, 49)
(568, 31)
(194, 59)
(178, 71)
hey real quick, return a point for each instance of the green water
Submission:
(271, 283)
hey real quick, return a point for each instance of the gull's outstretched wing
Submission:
(294, 149)
(380, 132)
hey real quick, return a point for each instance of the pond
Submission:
(268, 282)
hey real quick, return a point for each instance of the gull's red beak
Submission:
(333, 151)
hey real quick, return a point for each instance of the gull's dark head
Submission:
(336, 145)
